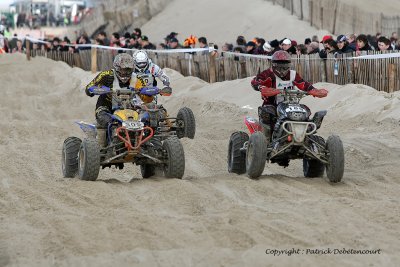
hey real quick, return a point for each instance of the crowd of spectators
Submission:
(257, 46)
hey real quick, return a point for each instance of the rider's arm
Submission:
(104, 78)
(264, 78)
(159, 73)
(302, 84)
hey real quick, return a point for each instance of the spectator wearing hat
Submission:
(251, 47)
(384, 44)
(174, 43)
(275, 46)
(286, 45)
(145, 44)
(324, 52)
(343, 45)
(267, 48)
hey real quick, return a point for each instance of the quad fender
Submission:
(252, 124)
(88, 128)
(318, 117)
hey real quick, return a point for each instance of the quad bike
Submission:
(293, 137)
(139, 132)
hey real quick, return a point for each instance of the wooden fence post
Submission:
(28, 50)
(311, 12)
(94, 60)
(301, 10)
(392, 77)
(212, 68)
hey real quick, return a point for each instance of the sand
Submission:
(209, 218)
(223, 20)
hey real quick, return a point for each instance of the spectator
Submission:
(133, 42)
(331, 47)
(174, 43)
(203, 42)
(56, 44)
(251, 47)
(145, 44)
(362, 43)
(241, 42)
(315, 39)
(384, 44)
(286, 44)
(137, 32)
(19, 48)
(275, 46)
(13, 42)
(301, 49)
(227, 47)
(115, 42)
(103, 36)
(259, 45)
(267, 48)
(351, 38)
(190, 42)
(393, 39)
(343, 45)
(323, 53)
(313, 48)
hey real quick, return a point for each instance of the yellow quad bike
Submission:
(138, 132)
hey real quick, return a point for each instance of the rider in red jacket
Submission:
(279, 76)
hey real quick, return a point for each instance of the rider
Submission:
(145, 73)
(279, 76)
(118, 77)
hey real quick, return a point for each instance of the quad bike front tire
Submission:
(236, 158)
(335, 166)
(89, 160)
(175, 162)
(186, 116)
(256, 155)
(69, 158)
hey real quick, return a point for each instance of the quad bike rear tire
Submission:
(335, 166)
(186, 115)
(175, 164)
(89, 160)
(256, 155)
(69, 161)
(237, 158)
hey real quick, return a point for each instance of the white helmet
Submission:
(141, 61)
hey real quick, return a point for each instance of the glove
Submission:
(88, 93)
(166, 91)
(318, 92)
(267, 92)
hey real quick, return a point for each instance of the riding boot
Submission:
(266, 130)
(101, 137)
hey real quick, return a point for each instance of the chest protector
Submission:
(281, 84)
(140, 80)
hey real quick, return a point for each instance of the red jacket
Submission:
(267, 78)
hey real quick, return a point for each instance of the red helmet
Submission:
(281, 62)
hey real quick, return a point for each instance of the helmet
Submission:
(123, 66)
(281, 62)
(141, 61)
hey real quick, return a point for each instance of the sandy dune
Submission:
(210, 218)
